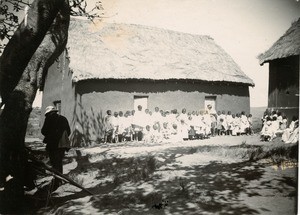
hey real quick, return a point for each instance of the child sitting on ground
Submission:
(250, 129)
(165, 131)
(288, 131)
(266, 132)
(156, 136)
(222, 127)
(175, 134)
(147, 134)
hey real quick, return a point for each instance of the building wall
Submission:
(52, 87)
(94, 97)
(284, 85)
(118, 94)
(85, 103)
(59, 87)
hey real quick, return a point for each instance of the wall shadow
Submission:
(87, 126)
(159, 86)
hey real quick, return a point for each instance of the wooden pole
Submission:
(41, 165)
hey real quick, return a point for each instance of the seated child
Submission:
(138, 132)
(294, 136)
(165, 131)
(147, 135)
(175, 134)
(128, 131)
(156, 136)
(221, 127)
(250, 130)
(267, 131)
(288, 131)
(184, 130)
(236, 124)
(283, 124)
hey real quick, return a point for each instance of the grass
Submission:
(278, 154)
(140, 169)
(238, 151)
(133, 169)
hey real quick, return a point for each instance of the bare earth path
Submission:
(212, 176)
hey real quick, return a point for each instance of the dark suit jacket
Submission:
(53, 128)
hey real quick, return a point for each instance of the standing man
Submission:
(139, 123)
(53, 129)
(109, 134)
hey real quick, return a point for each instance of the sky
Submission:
(243, 28)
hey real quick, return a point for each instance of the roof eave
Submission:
(250, 83)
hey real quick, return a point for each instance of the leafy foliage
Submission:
(11, 11)
(9, 20)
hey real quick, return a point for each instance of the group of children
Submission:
(275, 124)
(171, 126)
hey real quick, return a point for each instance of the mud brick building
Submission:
(119, 66)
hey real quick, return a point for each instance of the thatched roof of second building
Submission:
(286, 46)
(124, 51)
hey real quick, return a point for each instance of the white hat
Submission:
(50, 109)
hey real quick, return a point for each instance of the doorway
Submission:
(210, 100)
(140, 100)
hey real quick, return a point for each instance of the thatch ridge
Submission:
(287, 45)
(127, 51)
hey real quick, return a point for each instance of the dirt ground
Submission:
(212, 176)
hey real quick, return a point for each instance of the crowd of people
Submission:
(275, 124)
(169, 126)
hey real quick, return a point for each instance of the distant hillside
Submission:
(33, 127)
(257, 113)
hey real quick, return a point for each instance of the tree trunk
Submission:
(26, 58)
(25, 42)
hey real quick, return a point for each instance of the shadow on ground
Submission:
(160, 184)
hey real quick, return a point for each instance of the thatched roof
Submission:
(287, 45)
(125, 51)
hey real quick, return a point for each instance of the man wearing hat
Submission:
(53, 129)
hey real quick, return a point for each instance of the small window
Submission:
(140, 100)
(57, 105)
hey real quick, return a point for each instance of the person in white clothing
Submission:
(184, 130)
(236, 124)
(115, 122)
(266, 132)
(109, 133)
(206, 120)
(183, 116)
(139, 123)
(244, 123)
(250, 131)
(175, 134)
(147, 134)
(210, 110)
(229, 122)
(288, 131)
(128, 132)
(121, 131)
